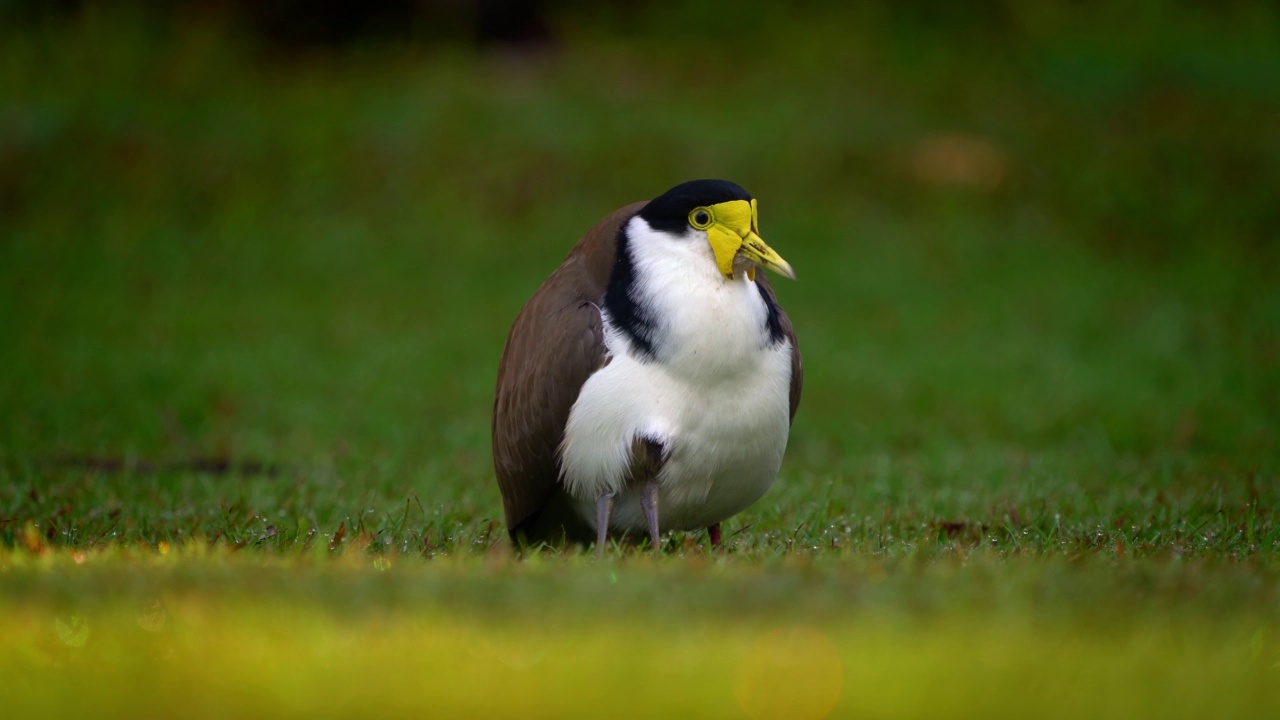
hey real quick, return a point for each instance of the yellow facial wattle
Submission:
(732, 231)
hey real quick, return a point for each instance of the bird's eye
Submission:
(700, 218)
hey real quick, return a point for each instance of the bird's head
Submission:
(722, 214)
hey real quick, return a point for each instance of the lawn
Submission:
(252, 306)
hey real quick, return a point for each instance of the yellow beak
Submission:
(734, 233)
(755, 250)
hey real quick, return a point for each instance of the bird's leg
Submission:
(714, 531)
(604, 509)
(649, 504)
(647, 458)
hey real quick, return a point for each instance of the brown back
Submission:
(555, 344)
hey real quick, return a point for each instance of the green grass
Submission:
(1037, 462)
(218, 633)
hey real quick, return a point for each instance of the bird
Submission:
(650, 382)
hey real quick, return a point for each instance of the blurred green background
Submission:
(1036, 242)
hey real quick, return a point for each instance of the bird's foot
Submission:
(649, 504)
(714, 532)
(604, 510)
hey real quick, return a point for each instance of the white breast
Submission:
(718, 394)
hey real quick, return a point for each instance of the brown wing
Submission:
(784, 322)
(555, 344)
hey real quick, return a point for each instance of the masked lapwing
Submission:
(649, 384)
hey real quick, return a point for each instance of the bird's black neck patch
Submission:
(772, 320)
(669, 212)
(631, 318)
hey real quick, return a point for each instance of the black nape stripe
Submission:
(771, 319)
(633, 319)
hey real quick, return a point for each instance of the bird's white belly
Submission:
(726, 432)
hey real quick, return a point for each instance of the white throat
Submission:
(705, 323)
